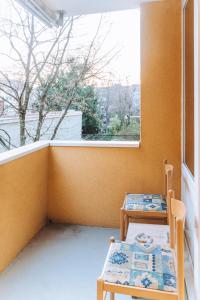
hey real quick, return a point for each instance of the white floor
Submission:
(61, 263)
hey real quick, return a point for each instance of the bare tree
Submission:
(39, 55)
(5, 140)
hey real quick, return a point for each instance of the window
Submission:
(189, 86)
(80, 81)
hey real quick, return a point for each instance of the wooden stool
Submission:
(148, 208)
(156, 273)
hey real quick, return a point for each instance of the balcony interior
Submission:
(49, 184)
(41, 255)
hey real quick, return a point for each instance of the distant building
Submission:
(113, 97)
(120, 100)
(70, 128)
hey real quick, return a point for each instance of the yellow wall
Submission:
(23, 202)
(86, 185)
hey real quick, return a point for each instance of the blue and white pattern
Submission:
(128, 264)
(145, 202)
(118, 258)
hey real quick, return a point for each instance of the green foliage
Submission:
(133, 128)
(81, 97)
(68, 91)
(115, 125)
(58, 91)
(88, 104)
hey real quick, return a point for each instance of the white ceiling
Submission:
(78, 7)
(51, 12)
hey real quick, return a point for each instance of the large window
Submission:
(189, 86)
(80, 81)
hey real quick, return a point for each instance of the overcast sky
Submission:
(124, 34)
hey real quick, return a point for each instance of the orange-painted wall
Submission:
(87, 185)
(23, 202)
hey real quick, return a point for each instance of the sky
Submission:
(122, 29)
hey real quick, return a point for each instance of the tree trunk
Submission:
(22, 129)
(60, 120)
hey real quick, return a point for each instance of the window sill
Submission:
(96, 144)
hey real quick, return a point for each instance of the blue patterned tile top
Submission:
(131, 265)
(145, 202)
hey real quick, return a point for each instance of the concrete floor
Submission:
(60, 263)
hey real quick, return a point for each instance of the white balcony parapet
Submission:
(8, 156)
(102, 144)
(13, 154)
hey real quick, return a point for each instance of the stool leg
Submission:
(112, 296)
(126, 225)
(121, 224)
(99, 289)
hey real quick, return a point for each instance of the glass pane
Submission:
(189, 85)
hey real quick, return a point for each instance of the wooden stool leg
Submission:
(100, 289)
(121, 224)
(126, 225)
(112, 296)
